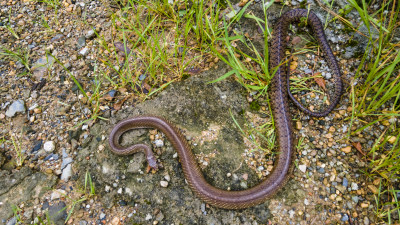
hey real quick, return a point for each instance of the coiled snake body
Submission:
(279, 102)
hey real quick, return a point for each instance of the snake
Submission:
(279, 97)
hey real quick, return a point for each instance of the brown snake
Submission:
(280, 109)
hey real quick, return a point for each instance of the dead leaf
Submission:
(320, 81)
(357, 145)
(118, 105)
(296, 40)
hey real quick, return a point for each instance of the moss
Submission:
(351, 43)
(185, 76)
(254, 105)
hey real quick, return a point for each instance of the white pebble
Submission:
(167, 177)
(119, 191)
(107, 188)
(49, 146)
(84, 51)
(148, 217)
(159, 143)
(164, 183)
(57, 194)
(354, 186)
(303, 168)
(128, 191)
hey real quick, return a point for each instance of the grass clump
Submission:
(151, 44)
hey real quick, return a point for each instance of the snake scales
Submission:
(279, 102)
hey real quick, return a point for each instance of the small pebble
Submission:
(355, 199)
(148, 217)
(303, 168)
(49, 146)
(57, 194)
(346, 149)
(66, 173)
(298, 125)
(84, 51)
(345, 182)
(392, 139)
(354, 186)
(344, 218)
(167, 177)
(16, 106)
(90, 34)
(164, 183)
(159, 143)
(107, 188)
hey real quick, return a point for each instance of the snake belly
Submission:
(280, 109)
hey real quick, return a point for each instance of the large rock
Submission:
(22, 186)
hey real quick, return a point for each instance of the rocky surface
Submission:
(43, 112)
(24, 185)
(197, 108)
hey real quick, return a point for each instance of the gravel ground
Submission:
(43, 113)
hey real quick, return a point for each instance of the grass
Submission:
(55, 5)
(20, 55)
(375, 98)
(88, 192)
(375, 101)
(165, 43)
(20, 156)
(17, 211)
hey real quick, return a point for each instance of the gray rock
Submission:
(58, 213)
(57, 37)
(41, 67)
(355, 199)
(66, 161)
(349, 52)
(12, 221)
(84, 51)
(102, 216)
(90, 34)
(345, 182)
(22, 186)
(16, 106)
(344, 218)
(81, 42)
(66, 173)
(64, 153)
(366, 221)
(83, 222)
